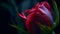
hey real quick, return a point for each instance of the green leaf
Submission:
(45, 29)
(13, 3)
(19, 29)
(56, 21)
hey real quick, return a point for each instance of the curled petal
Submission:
(29, 11)
(22, 16)
(46, 4)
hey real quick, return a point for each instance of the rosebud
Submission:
(40, 13)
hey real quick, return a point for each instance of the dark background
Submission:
(5, 19)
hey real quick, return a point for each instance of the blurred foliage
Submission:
(14, 9)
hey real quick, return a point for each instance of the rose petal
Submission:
(30, 22)
(44, 10)
(22, 16)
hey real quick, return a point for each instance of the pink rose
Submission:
(39, 13)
